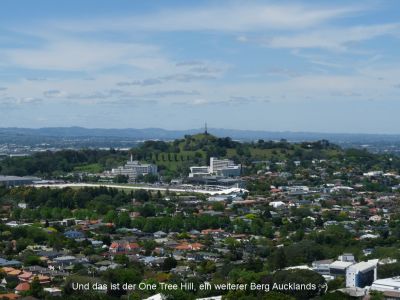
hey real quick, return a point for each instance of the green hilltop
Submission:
(175, 157)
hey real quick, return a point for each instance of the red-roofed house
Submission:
(124, 247)
(22, 287)
(212, 231)
(25, 276)
(9, 296)
(189, 247)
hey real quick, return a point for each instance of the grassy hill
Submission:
(174, 158)
(178, 155)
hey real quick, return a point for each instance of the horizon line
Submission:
(202, 129)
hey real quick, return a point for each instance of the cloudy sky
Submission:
(322, 66)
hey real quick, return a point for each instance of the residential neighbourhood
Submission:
(309, 212)
(199, 150)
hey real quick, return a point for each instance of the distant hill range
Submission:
(54, 133)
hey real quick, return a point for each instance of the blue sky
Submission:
(322, 66)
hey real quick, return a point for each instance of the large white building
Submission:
(387, 284)
(134, 168)
(17, 181)
(199, 171)
(230, 171)
(361, 274)
(222, 167)
(220, 164)
(339, 268)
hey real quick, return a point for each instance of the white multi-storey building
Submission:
(134, 168)
(219, 164)
(224, 167)
(362, 274)
(199, 171)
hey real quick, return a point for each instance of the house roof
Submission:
(15, 272)
(10, 296)
(134, 245)
(25, 275)
(187, 246)
(23, 287)
(5, 262)
(43, 278)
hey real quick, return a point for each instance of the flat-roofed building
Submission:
(218, 167)
(386, 284)
(219, 164)
(134, 168)
(17, 180)
(199, 171)
(347, 257)
(339, 268)
(361, 274)
(322, 266)
(231, 171)
(224, 167)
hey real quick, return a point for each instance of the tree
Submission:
(150, 178)
(121, 179)
(141, 195)
(336, 283)
(278, 259)
(314, 280)
(111, 216)
(169, 263)
(218, 206)
(2, 274)
(335, 296)
(149, 245)
(273, 295)
(106, 240)
(32, 260)
(121, 276)
(389, 270)
(376, 295)
(36, 289)
(319, 222)
(147, 210)
(124, 220)
(121, 259)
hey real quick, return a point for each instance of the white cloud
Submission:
(195, 81)
(11, 101)
(332, 39)
(82, 55)
(232, 17)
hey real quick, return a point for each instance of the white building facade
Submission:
(361, 274)
(134, 168)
